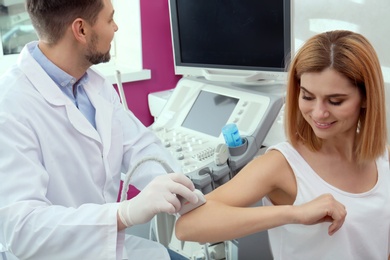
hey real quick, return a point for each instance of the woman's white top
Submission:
(365, 234)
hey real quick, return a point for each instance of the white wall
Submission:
(368, 17)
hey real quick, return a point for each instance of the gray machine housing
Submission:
(209, 176)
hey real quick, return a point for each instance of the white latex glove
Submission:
(160, 195)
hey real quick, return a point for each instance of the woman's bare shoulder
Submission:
(273, 160)
(274, 165)
(281, 175)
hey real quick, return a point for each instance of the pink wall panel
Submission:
(157, 56)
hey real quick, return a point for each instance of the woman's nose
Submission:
(320, 110)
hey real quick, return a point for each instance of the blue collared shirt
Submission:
(66, 82)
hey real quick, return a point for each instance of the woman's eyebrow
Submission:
(331, 95)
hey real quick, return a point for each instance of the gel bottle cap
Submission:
(232, 136)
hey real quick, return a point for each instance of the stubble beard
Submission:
(93, 56)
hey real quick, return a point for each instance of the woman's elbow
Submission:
(185, 231)
(192, 227)
(181, 231)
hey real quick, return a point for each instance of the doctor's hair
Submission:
(351, 55)
(51, 18)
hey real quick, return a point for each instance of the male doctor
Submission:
(65, 139)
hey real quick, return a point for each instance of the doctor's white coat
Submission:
(59, 176)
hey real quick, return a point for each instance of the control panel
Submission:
(190, 124)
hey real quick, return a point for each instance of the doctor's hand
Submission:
(160, 195)
(324, 208)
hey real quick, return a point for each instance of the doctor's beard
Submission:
(93, 56)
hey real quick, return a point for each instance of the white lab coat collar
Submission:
(104, 109)
(44, 84)
(52, 94)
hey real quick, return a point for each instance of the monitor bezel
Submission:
(233, 73)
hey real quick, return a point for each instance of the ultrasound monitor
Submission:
(235, 40)
(209, 113)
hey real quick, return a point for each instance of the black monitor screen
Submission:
(209, 113)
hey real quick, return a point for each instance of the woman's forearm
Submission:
(214, 221)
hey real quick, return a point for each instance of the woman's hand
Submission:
(325, 208)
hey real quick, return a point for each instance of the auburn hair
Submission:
(352, 55)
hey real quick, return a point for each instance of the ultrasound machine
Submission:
(233, 57)
(190, 128)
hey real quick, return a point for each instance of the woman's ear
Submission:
(364, 104)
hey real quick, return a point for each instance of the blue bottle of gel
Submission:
(231, 135)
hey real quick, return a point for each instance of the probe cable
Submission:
(130, 172)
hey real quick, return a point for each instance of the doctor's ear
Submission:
(79, 29)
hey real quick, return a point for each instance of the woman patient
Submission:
(326, 191)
